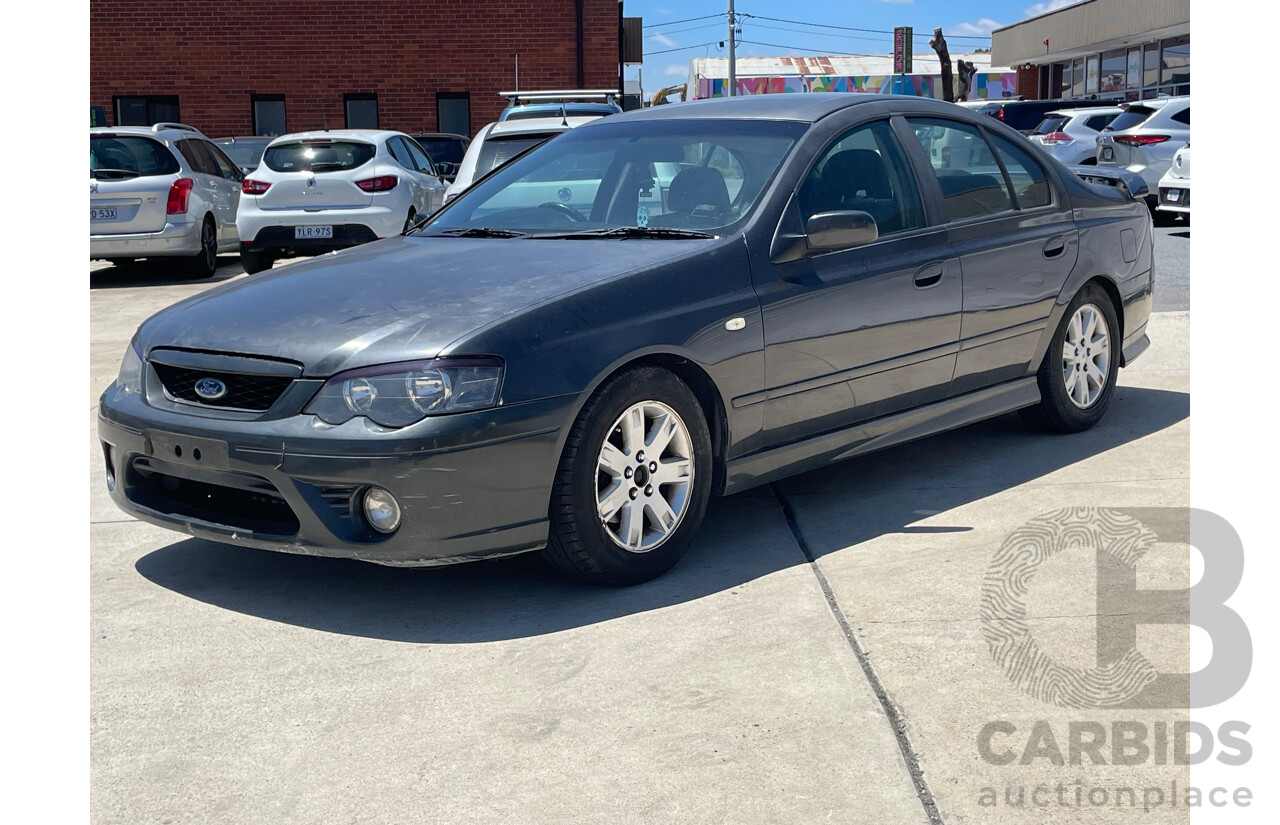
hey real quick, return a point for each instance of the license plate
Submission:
(1173, 195)
(187, 450)
(1108, 153)
(102, 213)
(308, 232)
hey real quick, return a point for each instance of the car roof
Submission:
(530, 125)
(805, 107)
(167, 131)
(1084, 111)
(371, 135)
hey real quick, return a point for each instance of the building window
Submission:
(144, 110)
(1091, 75)
(1114, 73)
(362, 111)
(1175, 61)
(1077, 78)
(453, 112)
(268, 115)
(1150, 66)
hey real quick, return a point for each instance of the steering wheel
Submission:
(564, 209)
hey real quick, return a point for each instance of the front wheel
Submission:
(634, 480)
(1078, 375)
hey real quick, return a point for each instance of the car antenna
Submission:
(564, 115)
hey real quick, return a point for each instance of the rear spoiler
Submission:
(1131, 184)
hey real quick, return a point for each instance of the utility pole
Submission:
(733, 65)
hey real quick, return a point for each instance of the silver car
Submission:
(1143, 138)
(161, 191)
(1071, 135)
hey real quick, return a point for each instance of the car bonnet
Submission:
(400, 299)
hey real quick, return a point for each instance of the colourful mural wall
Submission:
(987, 85)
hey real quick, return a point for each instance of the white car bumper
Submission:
(177, 238)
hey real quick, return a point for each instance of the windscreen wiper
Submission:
(625, 232)
(116, 173)
(479, 232)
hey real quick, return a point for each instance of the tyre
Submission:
(255, 261)
(1078, 375)
(634, 480)
(1161, 217)
(205, 262)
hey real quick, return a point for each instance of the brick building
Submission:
(271, 66)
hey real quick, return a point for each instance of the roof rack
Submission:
(555, 96)
(160, 127)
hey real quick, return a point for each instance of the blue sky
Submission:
(967, 26)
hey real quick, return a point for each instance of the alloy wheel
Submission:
(1086, 356)
(644, 476)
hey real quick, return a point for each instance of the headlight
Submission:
(396, 395)
(130, 377)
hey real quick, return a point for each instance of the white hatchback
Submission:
(321, 191)
(1175, 186)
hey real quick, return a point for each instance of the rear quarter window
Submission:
(129, 156)
(321, 156)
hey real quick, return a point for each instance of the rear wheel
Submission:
(1078, 375)
(255, 260)
(205, 262)
(633, 483)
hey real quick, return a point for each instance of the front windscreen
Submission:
(697, 175)
(318, 155)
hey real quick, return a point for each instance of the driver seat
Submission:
(697, 192)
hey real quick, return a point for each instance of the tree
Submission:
(966, 70)
(939, 45)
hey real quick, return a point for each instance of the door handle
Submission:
(1055, 247)
(929, 275)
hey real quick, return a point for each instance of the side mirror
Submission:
(829, 231)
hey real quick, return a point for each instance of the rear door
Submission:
(316, 174)
(1017, 244)
(433, 189)
(230, 178)
(129, 181)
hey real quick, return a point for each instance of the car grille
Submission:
(253, 504)
(244, 391)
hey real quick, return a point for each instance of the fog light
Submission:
(381, 510)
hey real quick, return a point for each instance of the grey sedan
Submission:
(522, 374)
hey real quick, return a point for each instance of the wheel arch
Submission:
(693, 375)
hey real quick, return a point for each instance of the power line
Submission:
(681, 49)
(852, 28)
(690, 29)
(687, 20)
(827, 52)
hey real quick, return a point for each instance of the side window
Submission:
(971, 182)
(398, 151)
(226, 168)
(420, 158)
(1030, 184)
(865, 170)
(198, 157)
(1183, 117)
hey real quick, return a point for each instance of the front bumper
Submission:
(470, 485)
(175, 239)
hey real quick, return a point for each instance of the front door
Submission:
(859, 333)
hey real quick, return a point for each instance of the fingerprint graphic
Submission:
(1004, 607)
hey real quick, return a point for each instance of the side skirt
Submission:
(948, 414)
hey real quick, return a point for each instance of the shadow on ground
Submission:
(159, 272)
(742, 540)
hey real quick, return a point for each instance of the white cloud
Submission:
(676, 69)
(982, 28)
(1052, 5)
(664, 40)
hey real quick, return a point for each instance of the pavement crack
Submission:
(896, 722)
